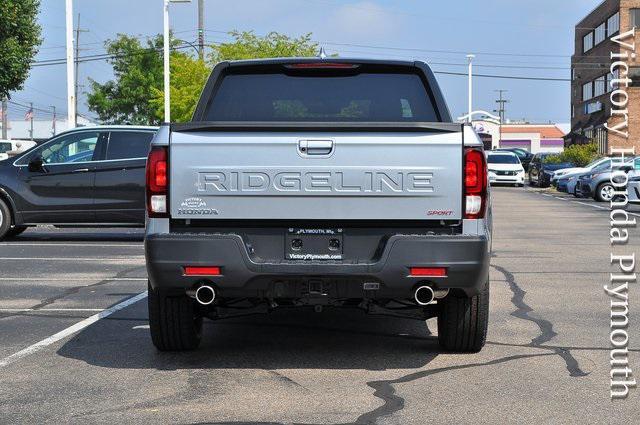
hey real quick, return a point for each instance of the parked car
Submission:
(540, 171)
(297, 184)
(597, 183)
(5, 146)
(524, 155)
(567, 182)
(577, 170)
(505, 167)
(90, 176)
(633, 189)
(11, 148)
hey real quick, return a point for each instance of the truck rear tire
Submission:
(173, 322)
(462, 322)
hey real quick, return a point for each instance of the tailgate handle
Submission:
(315, 147)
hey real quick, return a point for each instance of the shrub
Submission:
(580, 155)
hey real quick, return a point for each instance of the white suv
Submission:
(505, 167)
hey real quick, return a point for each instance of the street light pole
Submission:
(71, 97)
(470, 109)
(167, 96)
(201, 29)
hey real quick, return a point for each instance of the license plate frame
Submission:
(314, 244)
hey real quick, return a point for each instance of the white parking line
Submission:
(591, 205)
(70, 330)
(58, 244)
(24, 310)
(72, 279)
(125, 258)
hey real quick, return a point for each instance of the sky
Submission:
(519, 38)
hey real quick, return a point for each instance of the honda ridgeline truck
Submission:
(318, 183)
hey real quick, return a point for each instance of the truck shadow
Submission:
(292, 339)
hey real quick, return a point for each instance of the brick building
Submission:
(591, 77)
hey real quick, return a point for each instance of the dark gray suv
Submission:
(90, 176)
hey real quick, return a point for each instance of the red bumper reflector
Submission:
(202, 271)
(428, 271)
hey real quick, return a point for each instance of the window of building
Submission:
(613, 24)
(587, 91)
(634, 74)
(610, 78)
(599, 86)
(600, 33)
(587, 42)
(634, 18)
(591, 107)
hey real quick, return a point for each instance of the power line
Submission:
(98, 57)
(457, 52)
(508, 77)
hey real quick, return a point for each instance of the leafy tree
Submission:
(188, 77)
(580, 155)
(138, 72)
(247, 45)
(135, 95)
(19, 41)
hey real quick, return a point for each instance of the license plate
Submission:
(313, 244)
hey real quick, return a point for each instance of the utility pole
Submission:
(77, 63)
(501, 110)
(31, 121)
(470, 59)
(53, 122)
(4, 119)
(165, 50)
(71, 97)
(201, 29)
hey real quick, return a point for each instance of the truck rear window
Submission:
(363, 97)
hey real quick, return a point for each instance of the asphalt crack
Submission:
(547, 333)
(73, 290)
(394, 403)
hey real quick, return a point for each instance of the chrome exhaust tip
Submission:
(205, 294)
(424, 295)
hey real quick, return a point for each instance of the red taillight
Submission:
(324, 65)
(157, 182)
(475, 183)
(428, 271)
(202, 271)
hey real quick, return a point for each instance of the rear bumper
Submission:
(465, 257)
(506, 179)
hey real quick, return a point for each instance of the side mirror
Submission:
(36, 164)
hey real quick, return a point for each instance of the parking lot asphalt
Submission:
(546, 360)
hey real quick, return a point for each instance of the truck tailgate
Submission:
(316, 175)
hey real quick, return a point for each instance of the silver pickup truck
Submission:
(319, 183)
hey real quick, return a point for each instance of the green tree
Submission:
(580, 155)
(19, 41)
(137, 73)
(135, 95)
(247, 45)
(188, 77)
